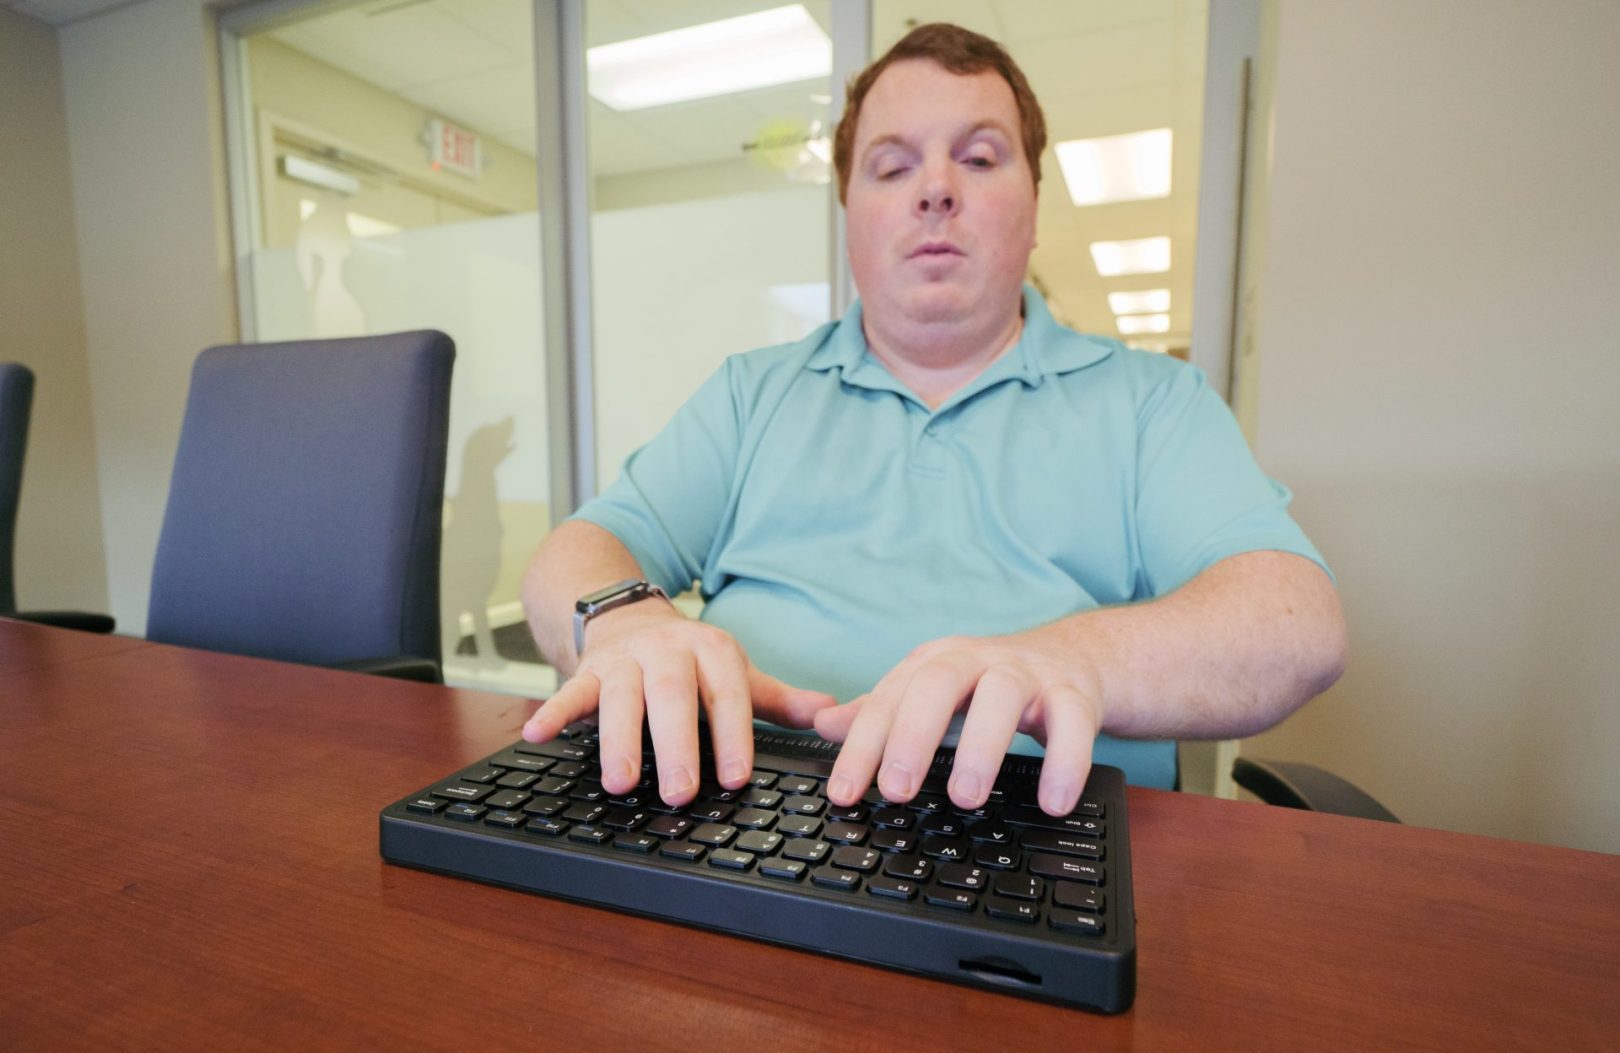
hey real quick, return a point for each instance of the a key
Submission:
(759, 842)
(1018, 886)
(999, 858)
(851, 857)
(894, 888)
(799, 826)
(714, 834)
(848, 833)
(894, 840)
(832, 877)
(908, 868)
(800, 805)
(1073, 921)
(754, 819)
(807, 850)
(962, 875)
(954, 898)
(545, 805)
(725, 857)
(685, 851)
(1075, 896)
(790, 869)
(1012, 910)
(636, 842)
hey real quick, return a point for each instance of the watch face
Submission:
(592, 599)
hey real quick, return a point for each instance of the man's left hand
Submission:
(1006, 683)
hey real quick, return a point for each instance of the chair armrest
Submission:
(80, 620)
(1294, 785)
(398, 667)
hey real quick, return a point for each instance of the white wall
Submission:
(1438, 321)
(58, 556)
(142, 99)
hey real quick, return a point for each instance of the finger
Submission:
(999, 701)
(862, 750)
(936, 691)
(575, 699)
(723, 682)
(1071, 732)
(669, 679)
(833, 722)
(784, 704)
(619, 729)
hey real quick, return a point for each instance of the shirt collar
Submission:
(1044, 349)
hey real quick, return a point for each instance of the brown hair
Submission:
(960, 51)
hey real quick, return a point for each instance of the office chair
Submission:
(305, 509)
(16, 407)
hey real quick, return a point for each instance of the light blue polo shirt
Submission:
(836, 522)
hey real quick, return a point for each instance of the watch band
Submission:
(619, 594)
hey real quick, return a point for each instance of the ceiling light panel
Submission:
(779, 46)
(1131, 167)
(1142, 256)
(1136, 324)
(1147, 301)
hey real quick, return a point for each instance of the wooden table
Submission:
(188, 860)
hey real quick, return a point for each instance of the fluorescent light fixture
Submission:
(362, 226)
(1116, 167)
(1136, 324)
(1143, 302)
(295, 167)
(1142, 256)
(766, 48)
(1152, 347)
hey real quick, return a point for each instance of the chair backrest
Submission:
(16, 402)
(304, 513)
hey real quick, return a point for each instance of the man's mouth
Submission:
(935, 248)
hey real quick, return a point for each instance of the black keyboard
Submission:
(1004, 897)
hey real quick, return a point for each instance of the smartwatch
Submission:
(611, 598)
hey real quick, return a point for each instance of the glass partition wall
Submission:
(386, 175)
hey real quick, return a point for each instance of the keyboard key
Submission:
(725, 857)
(1084, 825)
(831, 877)
(642, 843)
(947, 849)
(682, 850)
(999, 858)
(754, 819)
(942, 825)
(626, 818)
(551, 784)
(956, 899)
(425, 804)
(929, 803)
(584, 812)
(569, 769)
(1072, 921)
(800, 805)
(1019, 886)
(894, 888)
(556, 750)
(852, 858)
(855, 813)
(793, 784)
(1076, 896)
(591, 835)
(894, 818)
(506, 800)
(991, 831)
(1063, 844)
(754, 797)
(980, 814)
(713, 791)
(714, 834)
(669, 826)
(576, 729)
(639, 796)
(545, 805)
(548, 827)
(465, 813)
(711, 812)
(763, 780)
(789, 869)
(486, 774)
(464, 791)
(908, 868)
(1012, 910)
(894, 840)
(847, 833)
(510, 820)
(799, 826)
(518, 762)
(807, 850)
(759, 842)
(517, 780)
(1068, 869)
(961, 875)
(586, 790)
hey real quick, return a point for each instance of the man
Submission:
(943, 505)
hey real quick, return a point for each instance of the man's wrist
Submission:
(651, 609)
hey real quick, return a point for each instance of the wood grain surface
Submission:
(188, 860)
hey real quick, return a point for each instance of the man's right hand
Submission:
(647, 660)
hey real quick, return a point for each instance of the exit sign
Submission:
(453, 149)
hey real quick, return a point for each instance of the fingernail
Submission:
(841, 788)
(628, 773)
(733, 770)
(675, 783)
(901, 780)
(967, 787)
(1055, 799)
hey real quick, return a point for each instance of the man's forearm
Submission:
(575, 559)
(1229, 654)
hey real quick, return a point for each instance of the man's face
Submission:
(940, 207)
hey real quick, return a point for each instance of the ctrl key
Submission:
(1074, 921)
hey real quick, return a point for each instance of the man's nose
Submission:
(940, 194)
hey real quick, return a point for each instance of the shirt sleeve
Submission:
(1200, 495)
(667, 505)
